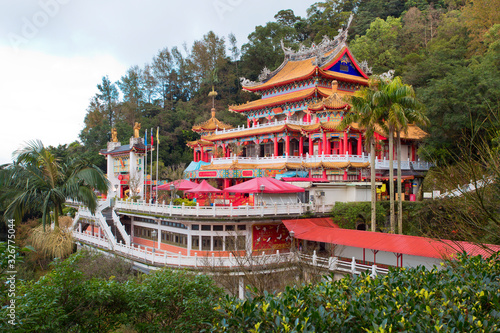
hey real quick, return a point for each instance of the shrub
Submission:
(463, 296)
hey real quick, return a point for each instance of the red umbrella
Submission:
(204, 187)
(270, 185)
(180, 184)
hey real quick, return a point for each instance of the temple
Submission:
(293, 132)
(290, 160)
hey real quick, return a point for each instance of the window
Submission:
(240, 243)
(195, 227)
(205, 243)
(195, 242)
(229, 227)
(218, 243)
(206, 227)
(218, 227)
(174, 238)
(242, 227)
(230, 243)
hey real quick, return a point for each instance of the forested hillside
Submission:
(448, 50)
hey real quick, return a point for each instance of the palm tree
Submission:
(367, 115)
(400, 109)
(43, 183)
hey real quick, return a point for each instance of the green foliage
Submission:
(186, 202)
(76, 297)
(349, 214)
(462, 296)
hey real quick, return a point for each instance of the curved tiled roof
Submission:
(280, 99)
(211, 125)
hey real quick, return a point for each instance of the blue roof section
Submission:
(124, 149)
(193, 166)
(345, 65)
(300, 174)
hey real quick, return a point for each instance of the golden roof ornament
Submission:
(212, 94)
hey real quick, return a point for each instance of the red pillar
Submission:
(287, 145)
(202, 155)
(301, 146)
(360, 145)
(308, 119)
(341, 146)
(324, 143)
(254, 122)
(224, 150)
(324, 173)
(413, 152)
(194, 155)
(350, 147)
(320, 147)
(248, 122)
(345, 142)
(345, 174)
(311, 147)
(275, 146)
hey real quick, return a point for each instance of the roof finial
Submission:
(212, 94)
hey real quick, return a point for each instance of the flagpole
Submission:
(151, 188)
(157, 152)
(146, 165)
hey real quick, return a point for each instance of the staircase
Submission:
(108, 215)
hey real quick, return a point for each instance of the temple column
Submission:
(320, 147)
(287, 144)
(324, 173)
(194, 155)
(345, 174)
(345, 142)
(360, 144)
(224, 150)
(308, 118)
(226, 182)
(311, 147)
(254, 122)
(341, 147)
(413, 152)
(248, 122)
(350, 147)
(325, 143)
(301, 146)
(202, 154)
(275, 140)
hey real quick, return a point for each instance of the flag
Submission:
(152, 138)
(146, 139)
(158, 134)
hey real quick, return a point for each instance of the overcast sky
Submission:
(54, 53)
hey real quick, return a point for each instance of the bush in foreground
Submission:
(461, 296)
(71, 299)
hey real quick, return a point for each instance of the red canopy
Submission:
(204, 187)
(180, 184)
(271, 185)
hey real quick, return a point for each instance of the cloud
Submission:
(47, 96)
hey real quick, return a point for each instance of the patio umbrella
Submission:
(270, 185)
(204, 187)
(180, 185)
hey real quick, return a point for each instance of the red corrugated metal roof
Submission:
(412, 245)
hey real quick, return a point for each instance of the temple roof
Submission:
(200, 142)
(211, 124)
(333, 102)
(252, 131)
(298, 65)
(413, 132)
(281, 99)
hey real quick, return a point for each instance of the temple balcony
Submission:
(380, 164)
(242, 128)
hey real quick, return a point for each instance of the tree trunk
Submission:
(56, 219)
(391, 179)
(372, 181)
(400, 201)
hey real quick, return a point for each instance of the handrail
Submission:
(156, 256)
(121, 228)
(212, 211)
